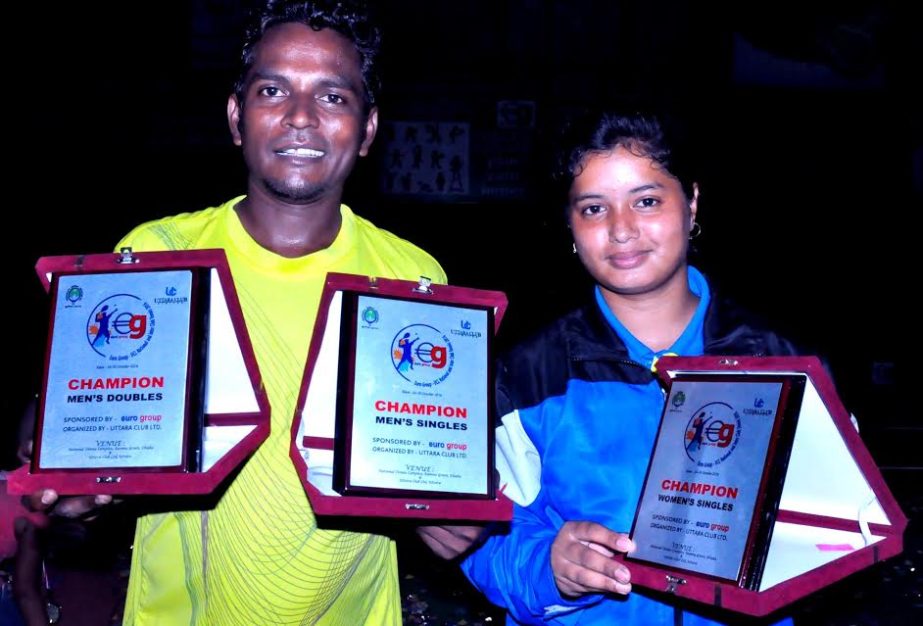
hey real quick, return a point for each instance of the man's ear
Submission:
(371, 127)
(234, 119)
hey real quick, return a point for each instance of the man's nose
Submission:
(301, 113)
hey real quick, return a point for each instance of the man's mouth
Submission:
(307, 153)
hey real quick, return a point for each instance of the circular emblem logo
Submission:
(73, 294)
(422, 355)
(712, 434)
(120, 327)
(369, 315)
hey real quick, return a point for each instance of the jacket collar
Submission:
(590, 337)
(728, 330)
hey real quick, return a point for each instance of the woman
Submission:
(579, 402)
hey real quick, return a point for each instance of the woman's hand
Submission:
(581, 560)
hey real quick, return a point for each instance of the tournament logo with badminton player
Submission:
(712, 434)
(120, 327)
(422, 355)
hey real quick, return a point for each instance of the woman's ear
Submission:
(693, 204)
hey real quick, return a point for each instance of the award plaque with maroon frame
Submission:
(759, 490)
(395, 414)
(150, 385)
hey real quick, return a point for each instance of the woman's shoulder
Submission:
(544, 364)
(557, 339)
(538, 367)
(731, 328)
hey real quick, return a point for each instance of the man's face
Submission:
(303, 120)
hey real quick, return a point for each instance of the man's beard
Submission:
(294, 194)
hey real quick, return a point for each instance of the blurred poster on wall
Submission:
(425, 158)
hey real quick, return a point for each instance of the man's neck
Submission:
(290, 230)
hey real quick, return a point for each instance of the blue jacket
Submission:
(579, 414)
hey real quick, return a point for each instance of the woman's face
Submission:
(630, 220)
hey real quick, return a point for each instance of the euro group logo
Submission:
(712, 434)
(422, 355)
(120, 327)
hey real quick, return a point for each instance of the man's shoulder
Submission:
(395, 249)
(175, 232)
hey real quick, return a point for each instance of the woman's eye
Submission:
(593, 209)
(647, 203)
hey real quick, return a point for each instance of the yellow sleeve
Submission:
(142, 239)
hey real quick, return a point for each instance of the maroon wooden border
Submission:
(500, 508)
(757, 525)
(759, 603)
(348, 416)
(116, 481)
(195, 295)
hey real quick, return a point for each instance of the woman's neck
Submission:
(656, 319)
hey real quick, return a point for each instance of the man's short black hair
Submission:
(350, 18)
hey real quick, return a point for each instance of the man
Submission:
(302, 111)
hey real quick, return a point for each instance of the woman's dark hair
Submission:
(350, 18)
(646, 134)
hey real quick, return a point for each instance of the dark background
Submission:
(811, 151)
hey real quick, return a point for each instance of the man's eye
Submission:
(271, 92)
(333, 98)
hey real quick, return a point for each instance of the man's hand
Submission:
(24, 451)
(48, 501)
(449, 541)
(581, 560)
(27, 574)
